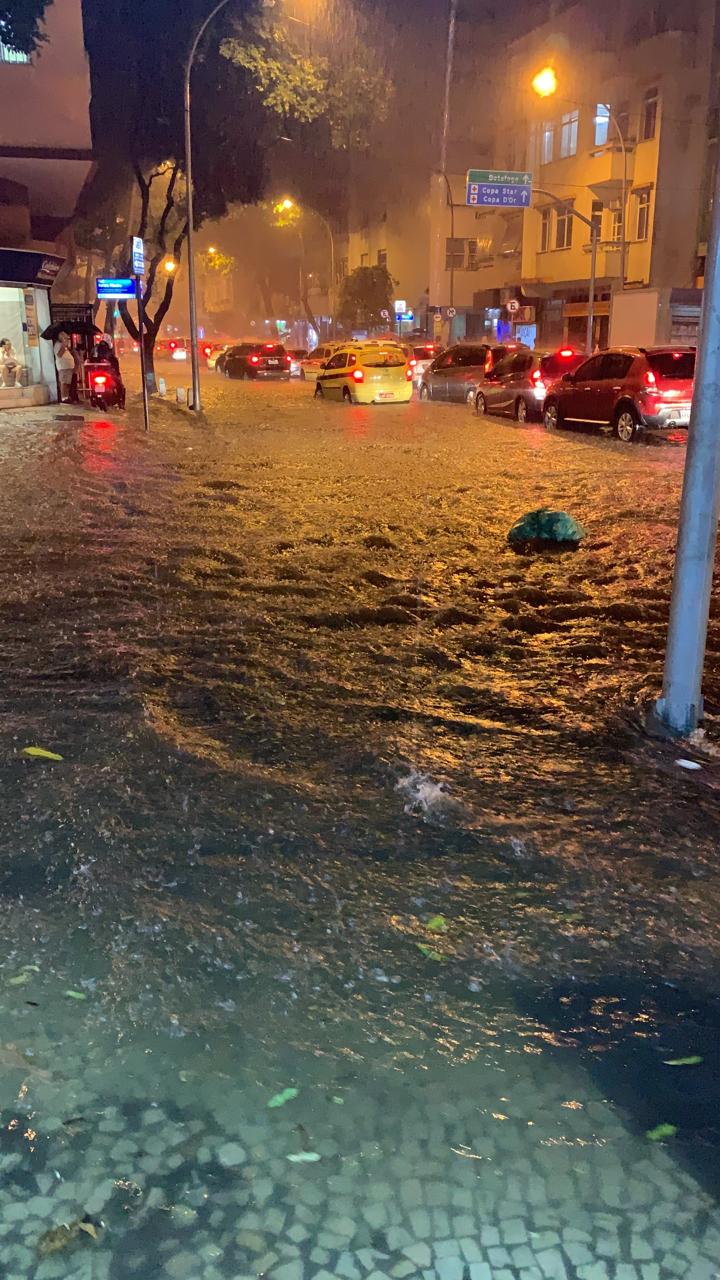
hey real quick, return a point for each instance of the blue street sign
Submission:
(498, 195)
(138, 256)
(108, 287)
(405, 315)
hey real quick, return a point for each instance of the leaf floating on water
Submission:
(338, 1100)
(661, 1131)
(89, 1228)
(76, 995)
(304, 1157)
(40, 753)
(692, 1061)
(438, 924)
(19, 980)
(286, 1095)
(429, 952)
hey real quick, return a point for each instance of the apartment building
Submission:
(45, 157)
(622, 141)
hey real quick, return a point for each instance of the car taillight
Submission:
(269, 346)
(288, 359)
(254, 359)
(358, 375)
(207, 350)
(99, 380)
(649, 378)
(172, 345)
(566, 353)
(409, 373)
(538, 383)
(412, 363)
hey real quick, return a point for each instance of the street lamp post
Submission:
(192, 297)
(594, 236)
(285, 206)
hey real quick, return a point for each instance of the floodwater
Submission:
(359, 931)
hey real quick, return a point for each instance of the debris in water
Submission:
(661, 1131)
(58, 1238)
(430, 952)
(692, 1061)
(76, 995)
(438, 924)
(423, 797)
(688, 764)
(279, 1099)
(544, 530)
(40, 753)
(304, 1157)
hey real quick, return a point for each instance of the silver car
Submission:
(519, 382)
(459, 371)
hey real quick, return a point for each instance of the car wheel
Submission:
(551, 417)
(480, 404)
(521, 410)
(226, 371)
(346, 395)
(424, 392)
(626, 424)
(319, 393)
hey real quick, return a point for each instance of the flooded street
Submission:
(359, 932)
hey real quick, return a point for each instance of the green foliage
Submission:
(21, 22)
(365, 294)
(221, 263)
(348, 92)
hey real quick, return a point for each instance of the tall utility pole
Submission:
(192, 295)
(680, 708)
(449, 63)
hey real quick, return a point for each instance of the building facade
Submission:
(45, 157)
(623, 142)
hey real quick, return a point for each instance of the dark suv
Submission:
(256, 360)
(518, 384)
(457, 373)
(627, 388)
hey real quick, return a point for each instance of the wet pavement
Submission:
(353, 802)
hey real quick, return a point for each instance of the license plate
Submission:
(386, 395)
(681, 416)
(271, 361)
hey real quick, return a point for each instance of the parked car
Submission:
(627, 388)
(313, 363)
(297, 355)
(458, 372)
(518, 383)
(213, 352)
(366, 373)
(422, 357)
(256, 360)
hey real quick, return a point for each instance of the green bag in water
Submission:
(545, 528)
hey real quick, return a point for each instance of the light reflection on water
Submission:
(307, 703)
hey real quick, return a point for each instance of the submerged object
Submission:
(546, 530)
(58, 1238)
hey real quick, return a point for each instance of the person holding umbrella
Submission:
(65, 366)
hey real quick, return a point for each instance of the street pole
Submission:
(331, 294)
(449, 64)
(189, 203)
(594, 233)
(141, 344)
(623, 223)
(681, 707)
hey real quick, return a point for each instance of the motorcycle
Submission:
(106, 388)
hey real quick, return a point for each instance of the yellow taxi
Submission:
(366, 373)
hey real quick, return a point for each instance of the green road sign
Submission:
(501, 177)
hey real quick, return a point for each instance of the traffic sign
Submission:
(385, 313)
(493, 188)
(110, 287)
(513, 306)
(400, 305)
(138, 256)
(451, 312)
(407, 316)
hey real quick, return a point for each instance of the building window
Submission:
(602, 124)
(11, 55)
(616, 222)
(364, 259)
(454, 254)
(342, 268)
(473, 257)
(547, 142)
(622, 115)
(382, 258)
(563, 225)
(649, 115)
(642, 208)
(545, 225)
(569, 133)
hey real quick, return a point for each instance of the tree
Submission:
(21, 24)
(365, 294)
(137, 50)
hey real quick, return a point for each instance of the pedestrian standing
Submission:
(64, 365)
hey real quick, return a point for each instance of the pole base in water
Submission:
(663, 721)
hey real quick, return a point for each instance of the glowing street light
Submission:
(288, 205)
(170, 265)
(545, 83)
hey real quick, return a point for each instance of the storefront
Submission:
(27, 366)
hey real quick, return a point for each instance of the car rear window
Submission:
(383, 359)
(424, 353)
(672, 364)
(555, 365)
(243, 349)
(267, 349)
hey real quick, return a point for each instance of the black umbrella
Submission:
(83, 328)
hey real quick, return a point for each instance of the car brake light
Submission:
(207, 350)
(409, 373)
(269, 346)
(99, 380)
(566, 353)
(254, 359)
(538, 384)
(412, 363)
(172, 345)
(649, 378)
(358, 375)
(288, 359)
